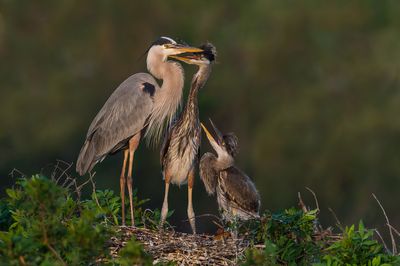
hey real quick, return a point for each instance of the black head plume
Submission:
(163, 40)
(160, 41)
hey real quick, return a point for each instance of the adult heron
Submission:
(179, 155)
(138, 107)
(237, 195)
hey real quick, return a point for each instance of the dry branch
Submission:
(394, 248)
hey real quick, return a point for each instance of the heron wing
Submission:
(208, 173)
(122, 116)
(239, 190)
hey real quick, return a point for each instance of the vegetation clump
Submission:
(294, 237)
(44, 223)
(41, 224)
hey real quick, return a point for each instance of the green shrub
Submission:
(48, 226)
(289, 239)
(357, 247)
(43, 225)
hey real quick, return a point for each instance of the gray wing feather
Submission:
(123, 115)
(239, 190)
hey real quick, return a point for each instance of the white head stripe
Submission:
(169, 39)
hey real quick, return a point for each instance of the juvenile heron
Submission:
(237, 195)
(139, 106)
(179, 155)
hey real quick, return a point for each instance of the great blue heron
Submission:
(179, 155)
(139, 106)
(237, 195)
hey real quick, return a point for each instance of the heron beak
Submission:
(180, 58)
(175, 49)
(187, 58)
(216, 144)
(216, 130)
(209, 136)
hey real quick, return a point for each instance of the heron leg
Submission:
(133, 144)
(164, 210)
(190, 211)
(122, 185)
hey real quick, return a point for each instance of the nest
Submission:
(182, 248)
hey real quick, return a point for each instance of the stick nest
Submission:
(182, 248)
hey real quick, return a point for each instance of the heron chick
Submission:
(180, 153)
(237, 195)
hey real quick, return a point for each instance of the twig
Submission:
(339, 224)
(45, 237)
(218, 225)
(301, 203)
(315, 198)
(394, 230)
(55, 253)
(394, 248)
(91, 175)
(15, 170)
(383, 241)
(64, 172)
(22, 260)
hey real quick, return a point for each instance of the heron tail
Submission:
(85, 160)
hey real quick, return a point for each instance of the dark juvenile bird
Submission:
(179, 155)
(237, 195)
(138, 107)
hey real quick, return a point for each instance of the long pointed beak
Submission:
(180, 49)
(216, 130)
(209, 136)
(180, 58)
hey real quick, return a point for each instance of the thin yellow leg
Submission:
(164, 210)
(190, 212)
(133, 144)
(122, 185)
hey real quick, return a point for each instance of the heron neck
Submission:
(224, 161)
(167, 99)
(198, 81)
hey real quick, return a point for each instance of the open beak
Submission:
(215, 143)
(219, 134)
(187, 58)
(208, 134)
(176, 49)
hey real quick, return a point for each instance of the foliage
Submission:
(49, 227)
(104, 203)
(290, 239)
(357, 247)
(42, 224)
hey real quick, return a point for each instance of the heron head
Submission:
(205, 57)
(225, 145)
(166, 46)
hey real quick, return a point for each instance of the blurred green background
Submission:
(311, 88)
